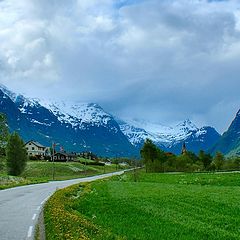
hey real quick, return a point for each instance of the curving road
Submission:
(20, 206)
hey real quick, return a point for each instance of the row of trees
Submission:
(11, 146)
(157, 160)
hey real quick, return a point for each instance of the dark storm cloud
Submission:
(158, 60)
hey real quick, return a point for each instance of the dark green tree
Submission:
(192, 156)
(236, 163)
(206, 159)
(218, 161)
(16, 155)
(171, 162)
(153, 157)
(184, 162)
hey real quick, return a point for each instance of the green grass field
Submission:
(42, 171)
(63, 170)
(158, 206)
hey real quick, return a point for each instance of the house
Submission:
(36, 149)
(64, 157)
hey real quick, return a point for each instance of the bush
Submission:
(95, 163)
(47, 158)
(33, 158)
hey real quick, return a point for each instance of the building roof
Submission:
(65, 154)
(35, 143)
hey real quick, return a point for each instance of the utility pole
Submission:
(116, 161)
(53, 166)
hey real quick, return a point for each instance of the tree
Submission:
(153, 157)
(218, 160)
(236, 163)
(16, 155)
(192, 156)
(171, 162)
(4, 133)
(206, 159)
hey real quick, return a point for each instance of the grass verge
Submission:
(62, 221)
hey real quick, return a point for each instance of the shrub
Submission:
(33, 158)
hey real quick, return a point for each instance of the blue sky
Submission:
(162, 61)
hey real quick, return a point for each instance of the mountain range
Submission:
(170, 138)
(88, 127)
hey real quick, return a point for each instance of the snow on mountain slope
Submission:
(87, 125)
(134, 134)
(8, 93)
(78, 127)
(137, 131)
(79, 115)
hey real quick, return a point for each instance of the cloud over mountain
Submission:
(161, 60)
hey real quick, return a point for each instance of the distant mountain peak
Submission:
(168, 137)
(78, 114)
(188, 125)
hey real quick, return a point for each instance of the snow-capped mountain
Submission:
(77, 127)
(82, 115)
(169, 138)
(87, 127)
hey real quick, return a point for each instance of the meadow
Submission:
(156, 206)
(42, 171)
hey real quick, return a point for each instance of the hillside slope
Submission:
(229, 143)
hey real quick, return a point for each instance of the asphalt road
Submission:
(20, 206)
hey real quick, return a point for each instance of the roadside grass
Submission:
(63, 222)
(12, 181)
(158, 206)
(42, 171)
(83, 160)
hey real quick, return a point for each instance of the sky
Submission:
(160, 61)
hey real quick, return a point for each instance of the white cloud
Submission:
(165, 60)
